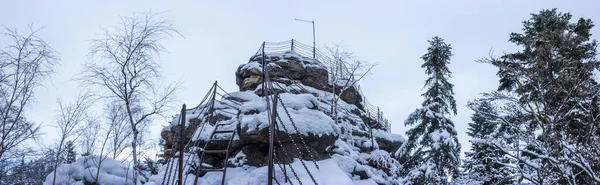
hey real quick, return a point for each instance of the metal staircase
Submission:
(217, 138)
(218, 135)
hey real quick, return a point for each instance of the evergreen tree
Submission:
(550, 83)
(432, 150)
(71, 154)
(23, 172)
(484, 163)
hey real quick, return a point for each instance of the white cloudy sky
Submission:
(218, 36)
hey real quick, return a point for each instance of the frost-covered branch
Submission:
(123, 63)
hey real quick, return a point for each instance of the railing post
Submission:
(370, 130)
(273, 121)
(378, 116)
(314, 42)
(263, 68)
(182, 126)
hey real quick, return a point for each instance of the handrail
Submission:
(308, 51)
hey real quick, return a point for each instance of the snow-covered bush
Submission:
(382, 160)
(90, 170)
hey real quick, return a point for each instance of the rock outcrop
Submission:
(306, 128)
(283, 68)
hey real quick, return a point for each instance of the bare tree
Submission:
(68, 123)
(97, 161)
(112, 137)
(345, 71)
(89, 135)
(119, 128)
(123, 63)
(24, 62)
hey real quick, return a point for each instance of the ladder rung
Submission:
(215, 151)
(211, 169)
(222, 131)
(218, 140)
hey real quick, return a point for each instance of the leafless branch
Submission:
(24, 62)
(123, 63)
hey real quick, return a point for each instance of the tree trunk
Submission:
(134, 142)
(57, 161)
(134, 150)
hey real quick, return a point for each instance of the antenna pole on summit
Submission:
(314, 42)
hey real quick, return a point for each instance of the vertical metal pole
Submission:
(292, 44)
(271, 136)
(180, 175)
(285, 173)
(284, 167)
(314, 42)
(264, 65)
(378, 116)
(370, 130)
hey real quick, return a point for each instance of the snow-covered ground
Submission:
(86, 169)
(352, 157)
(330, 173)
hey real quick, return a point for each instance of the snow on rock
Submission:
(301, 108)
(283, 66)
(85, 169)
(342, 145)
(330, 173)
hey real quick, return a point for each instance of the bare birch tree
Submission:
(345, 71)
(123, 63)
(68, 122)
(25, 61)
(98, 160)
(89, 135)
(120, 132)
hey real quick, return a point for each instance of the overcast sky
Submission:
(219, 36)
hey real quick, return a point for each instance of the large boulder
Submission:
(388, 141)
(352, 96)
(301, 127)
(255, 145)
(316, 77)
(251, 82)
(306, 128)
(283, 68)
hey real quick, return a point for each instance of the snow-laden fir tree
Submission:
(431, 153)
(485, 163)
(71, 154)
(549, 85)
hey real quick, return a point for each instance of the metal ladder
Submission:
(210, 149)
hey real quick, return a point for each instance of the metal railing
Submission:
(306, 51)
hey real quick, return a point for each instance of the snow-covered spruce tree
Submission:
(432, 150)
(485, 163)
(71, 154)
(550, 83)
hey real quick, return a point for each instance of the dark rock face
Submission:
(282, 69)
(388, 145)
(255, 144)
(352, 96)
(317, 78)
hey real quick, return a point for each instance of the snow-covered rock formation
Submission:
(89, 169)
(343, 148)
